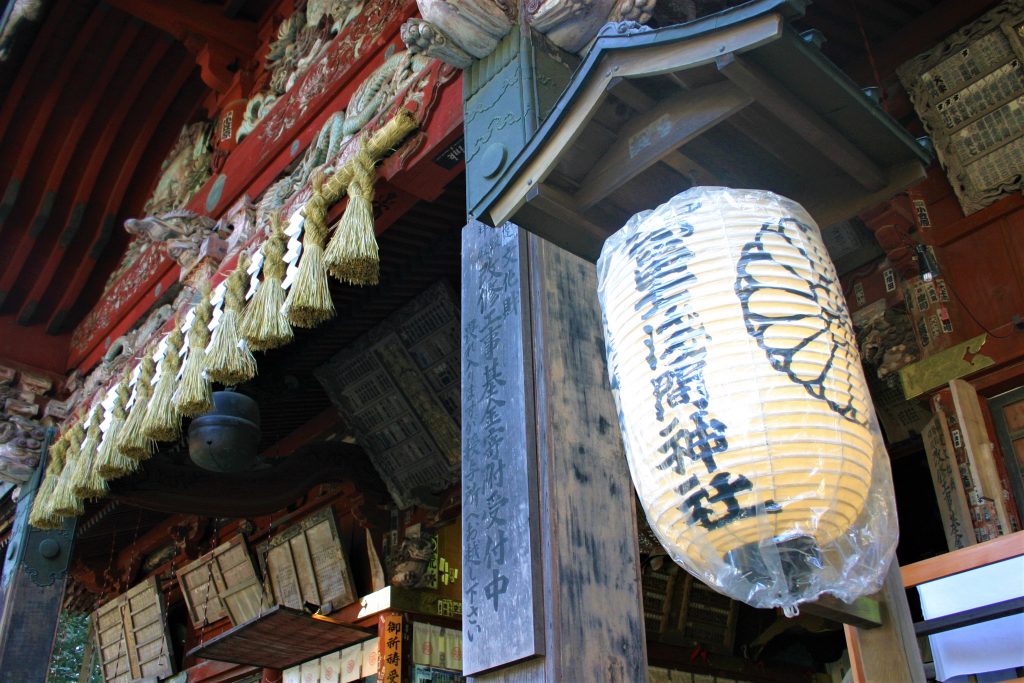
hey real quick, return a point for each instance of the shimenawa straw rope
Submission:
(85, 479)
(264, 325)
(65, 502)
(193, 396)
(162, 422)
(352, 255)
(309, 301)
(228, 359)
(131, 441)
(42, 516)
(111, 463)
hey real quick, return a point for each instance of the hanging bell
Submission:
(226, 439)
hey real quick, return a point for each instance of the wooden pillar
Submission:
(889, 653)
(31, 590)
(551, 573)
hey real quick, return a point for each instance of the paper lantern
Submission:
(746, 417)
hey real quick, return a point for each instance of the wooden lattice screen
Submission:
(131, 635)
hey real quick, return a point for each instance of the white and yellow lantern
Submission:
(747, 422)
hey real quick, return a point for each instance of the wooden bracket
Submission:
(775, 98)
(652, 135)
(862, 613)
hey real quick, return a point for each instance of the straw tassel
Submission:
(42, 515)
(131, 441)
(309, 301)
(65, 502)
(264, 325)
(111, 463)
(229, 360)
(193, 396)
(352, 255)
(162, 422)
(86, 481)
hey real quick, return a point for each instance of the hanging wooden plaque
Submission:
(969, 92)
(223, 582)
(306, 563)
(398, 388)
(131, 635)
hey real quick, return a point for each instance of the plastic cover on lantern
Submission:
(748, 428)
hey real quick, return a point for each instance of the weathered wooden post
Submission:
(551, 588)
(32, 589)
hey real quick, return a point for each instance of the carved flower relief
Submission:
(804, 331)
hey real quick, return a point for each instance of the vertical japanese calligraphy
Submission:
(500, 618)
(392, 633)
(742, 401)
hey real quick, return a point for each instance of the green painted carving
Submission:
(506, 96)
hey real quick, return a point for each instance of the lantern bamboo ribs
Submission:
(743, 405)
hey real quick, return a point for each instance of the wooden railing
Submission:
(965, 559)
(886, 653)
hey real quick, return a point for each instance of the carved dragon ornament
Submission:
(459, 31)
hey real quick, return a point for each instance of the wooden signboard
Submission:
(969, 92)
(500, 569)
(306, 563)
(949, 489)
(978, 445)
(392, 632)
(131, 635)
(223, 582)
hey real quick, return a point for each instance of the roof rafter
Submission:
(42, 114)
(142, 141)
(72, 140)
(87, 182)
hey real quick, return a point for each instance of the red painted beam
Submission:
(87, 183)
(182, 17)
(32, 347)
(41, 115)
(295, 118)
(72, 139)
(142, 301)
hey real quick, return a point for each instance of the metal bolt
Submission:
(49, 548)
